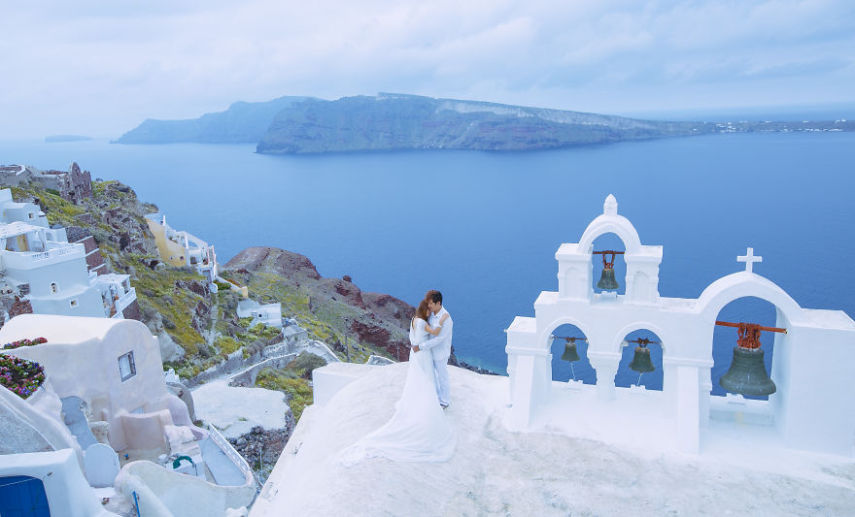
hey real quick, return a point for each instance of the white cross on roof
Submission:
(749, 260)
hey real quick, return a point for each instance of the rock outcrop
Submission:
(340, 306)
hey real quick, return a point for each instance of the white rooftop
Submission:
(17, 228)
(65, 330)
(498, 472)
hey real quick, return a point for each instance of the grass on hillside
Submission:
(293, 380)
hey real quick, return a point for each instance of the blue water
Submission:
(484, 227)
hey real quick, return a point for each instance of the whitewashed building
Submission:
(11, 211)
(269, 314)
(180, 248)
(38, 264)
(106, 402)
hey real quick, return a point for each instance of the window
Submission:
(31, 215)
(73, 302)
(53, 287)
(127, 368)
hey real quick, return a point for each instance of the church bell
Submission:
(641, 362)
(747, 374)
(607, 278)
(570, 352)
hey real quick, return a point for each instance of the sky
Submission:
(99, 68)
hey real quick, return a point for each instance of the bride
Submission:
(418, 431)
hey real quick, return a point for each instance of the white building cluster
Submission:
(40, 268)
(105, 418)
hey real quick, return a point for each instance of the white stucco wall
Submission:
(35, 423)
(810, 364)
(67, 491)
(81, 358)
(164, 493)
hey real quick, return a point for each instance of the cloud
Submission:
(101, 67)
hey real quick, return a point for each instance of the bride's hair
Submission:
(422, 311)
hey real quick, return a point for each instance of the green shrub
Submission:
(226, 345)
(298, 391)
(305, 364)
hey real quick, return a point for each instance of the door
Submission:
(23, 496)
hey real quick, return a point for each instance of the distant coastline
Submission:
(400, 122)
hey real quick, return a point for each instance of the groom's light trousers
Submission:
(443, 391)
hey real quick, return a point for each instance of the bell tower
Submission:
(814, 356)
(575, 267)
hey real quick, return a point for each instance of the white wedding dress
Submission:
(419, 429)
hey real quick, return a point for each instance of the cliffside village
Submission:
(85, 395)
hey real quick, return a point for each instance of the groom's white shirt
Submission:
(440, 344)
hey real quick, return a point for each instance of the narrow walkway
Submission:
(75, 420)
(225, 472)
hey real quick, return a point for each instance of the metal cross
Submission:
(749, 260)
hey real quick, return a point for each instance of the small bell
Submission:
(570, 353)
(641, 362)
(607, 278)
(747, 374)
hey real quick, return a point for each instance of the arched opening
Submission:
(569, 347)
(637, 366)
(747, 309)
(609, 242)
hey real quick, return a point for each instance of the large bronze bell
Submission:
(641, 362)
(747, 374)
(607, 280)
(570, 352)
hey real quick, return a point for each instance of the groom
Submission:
(439, 346)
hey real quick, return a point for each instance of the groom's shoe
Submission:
(443, 406)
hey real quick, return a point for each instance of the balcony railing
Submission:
(126, 299)
(27, 260)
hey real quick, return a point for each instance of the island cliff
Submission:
(243, 122)
(390, 122)
(398, 122)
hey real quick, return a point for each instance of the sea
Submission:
(483, 227)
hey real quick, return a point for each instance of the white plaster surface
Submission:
(812, 362)
(498, 472)
(101, 465)
(67, 492)
(81, 359)
(235, 410)
(165, 493)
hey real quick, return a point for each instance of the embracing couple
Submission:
(430, 333)
(419, 430)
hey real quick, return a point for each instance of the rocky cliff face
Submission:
(400, 122)
(243, 122)
(335, 310)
